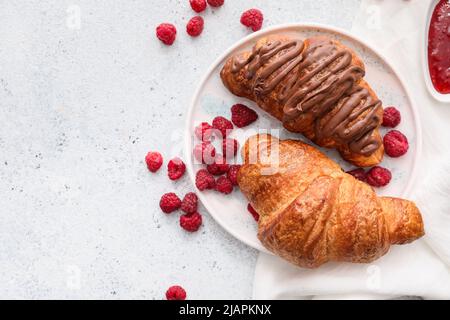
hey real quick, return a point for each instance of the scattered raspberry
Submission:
(198, 5)
(176, 168)
(205, 152)
(232, 173)
(252, 18)
(224, 185)
(154, 161)
(253, 212)
(169, 202)
(191, 222)
(195, 26)
(242, 115)
(166, 32)
(203, 131)
(218, 167)
(230, 147)
(395, 144)
(215, 3)
(391, 117)
(378, 177)
(204, 180)
(359, 174)
(223, 125)
(189, 203)
(175, 293)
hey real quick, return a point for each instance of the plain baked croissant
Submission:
(312, 212)
(315, 87)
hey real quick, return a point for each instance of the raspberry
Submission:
(230, 147)
(224, 185)
(191, 221)
(154, 161)
(252, 18)
(253, 212)
(391, 117)
(203, 131)
(218, 167)
(232, 173)
(204, 180)
(166, 32)
(359, 174)
(169, 202)
(215, 3)
(195, 26)
(205, 152)
(242, 115)
(175, 293)
(378, 177)
(395, 144)
(176, 168)
(223, 125)
(189, 203)
(198, 5)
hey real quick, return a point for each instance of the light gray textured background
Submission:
(79, 109)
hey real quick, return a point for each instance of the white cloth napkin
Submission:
(396, 27)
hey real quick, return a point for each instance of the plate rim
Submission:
(250, 37)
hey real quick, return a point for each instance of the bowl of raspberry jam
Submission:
(438, 50)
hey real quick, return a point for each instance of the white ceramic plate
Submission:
(212, 99)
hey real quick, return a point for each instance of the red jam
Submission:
(439, 47)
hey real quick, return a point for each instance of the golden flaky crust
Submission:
(312, 212)
(241, 86)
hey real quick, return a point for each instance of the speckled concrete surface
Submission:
(81, 102)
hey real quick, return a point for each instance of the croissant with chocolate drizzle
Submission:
(316, 88)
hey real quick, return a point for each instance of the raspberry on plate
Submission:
(215, 3)
(230, 147)
(198, 5)
(189, 203)
(191, 221)
(242, 116)
(203, 131)
(391, 117)
(359, 174)
(223, 125)
(166, 32)
(253, 212)
(218, 167)
(232, 173)
(154, 161)
(204, 180)
(194, 26)
(205, 152)
(378, 177)
(224, 185)
(395, 144)
(176, 168)
(252, 18)
(169, 202)
(175, 293)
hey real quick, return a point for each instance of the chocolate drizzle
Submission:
(320, 81)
